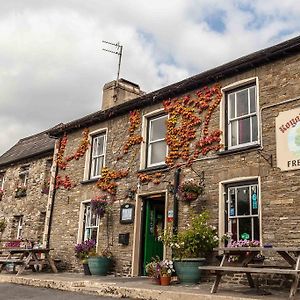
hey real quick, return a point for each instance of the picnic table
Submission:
(26, 258)
(290, 255)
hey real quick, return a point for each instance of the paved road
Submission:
(10, 291)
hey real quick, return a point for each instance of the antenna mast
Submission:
(119, 51)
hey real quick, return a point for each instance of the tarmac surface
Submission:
(135, 288)
(11, 291)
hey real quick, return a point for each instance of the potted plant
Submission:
(189, 190)
(245, 244)
(191, 246)
(152, 270)
(99, 264)
(165, 271)
(20, 191)
(82, 251)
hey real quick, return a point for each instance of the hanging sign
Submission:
(288, 140)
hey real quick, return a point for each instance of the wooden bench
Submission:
(262, 270)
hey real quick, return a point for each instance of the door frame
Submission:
(137, 233)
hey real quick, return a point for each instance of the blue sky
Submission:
(52, 68)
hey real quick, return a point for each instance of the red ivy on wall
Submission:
(107, 181)
(185, 118)
(63, 182)
(135, 122)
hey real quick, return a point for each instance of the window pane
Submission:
(242, 102)
(234, 229)
(256, 229)
(231, 105)
(158, 128)
(245, 227)
(97, 164)
(252, 99)
(244, 131)
(243, 205)
(158, 152)
(234, 133)
(98, 145)
(232, 211)
(254, 129)
(254, 200)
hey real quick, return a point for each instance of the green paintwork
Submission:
(154, 218)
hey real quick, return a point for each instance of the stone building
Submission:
(233, 129)
(24, 187)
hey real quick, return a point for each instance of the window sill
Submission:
(241, 149)
(87, 181)
(155, 168)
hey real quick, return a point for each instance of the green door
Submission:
(154, 222)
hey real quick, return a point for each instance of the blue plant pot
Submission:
(187, 270)
(99, 265)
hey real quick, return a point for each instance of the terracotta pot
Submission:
(165, 280)
(155, 280)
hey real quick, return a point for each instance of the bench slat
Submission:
(249, 270)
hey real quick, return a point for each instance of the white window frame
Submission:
(19, 227)
(24, 176)
(89, 154)
(237, 217)
(81, 227)
(224, 124)
(222, 194)
(150, 143)
(2, 176)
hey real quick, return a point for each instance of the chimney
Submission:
(117, 92)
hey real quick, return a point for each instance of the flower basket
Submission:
(189, 190)
(100, 205)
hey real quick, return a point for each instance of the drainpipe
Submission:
(175, 207)
(51, 196)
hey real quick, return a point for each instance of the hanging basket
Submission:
(189, 196)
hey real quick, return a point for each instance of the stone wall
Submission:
(278, 81)
(32, 206)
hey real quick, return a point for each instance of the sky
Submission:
(52, 67)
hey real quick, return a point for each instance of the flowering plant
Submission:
(152, 268)
(189, 190)
(197, 240)
(20, 191)
(244, 243)
(83, 250)
(100, 204)
(166, 268)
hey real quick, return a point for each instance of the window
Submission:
(242, 211)
(242, 125)
(23, 176)
(97, 155)
(18, 226)
(1, 181)
(156, 141)
(90, 223)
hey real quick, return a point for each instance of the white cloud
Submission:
(52, 68)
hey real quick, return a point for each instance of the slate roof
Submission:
(239, 65)
(37, 145)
